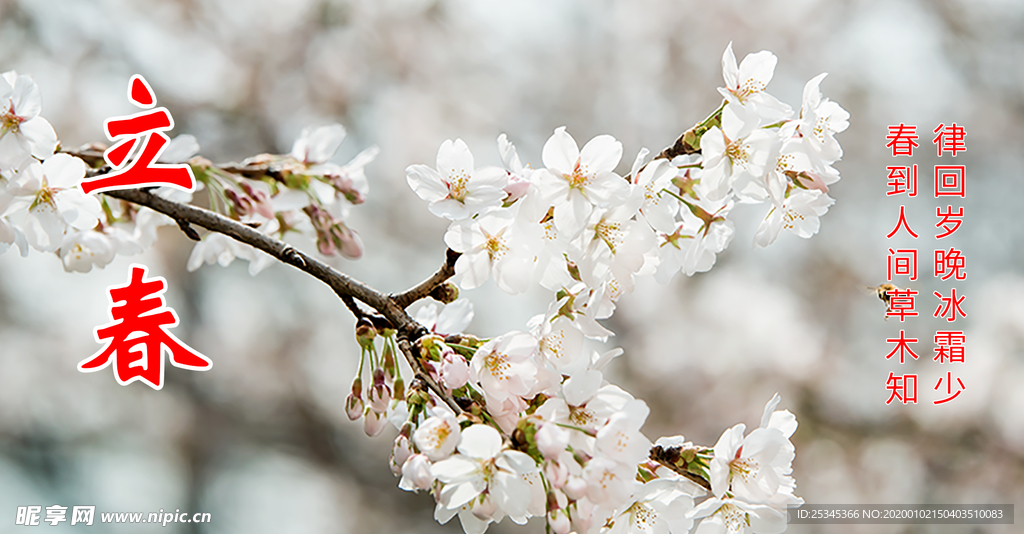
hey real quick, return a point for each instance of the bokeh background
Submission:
(261, 441)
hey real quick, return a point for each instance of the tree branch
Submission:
(672, 458)
(426, 287)
(347, 288)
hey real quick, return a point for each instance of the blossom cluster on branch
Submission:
(522, 424)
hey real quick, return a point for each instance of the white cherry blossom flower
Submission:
(820, 119)
(676, 249)
(559, 342)
(493, 245)
(179, 150)
(23, 133)
(438, 436)
(734, 516)
(712, 232)
(219, 249)
(743, 465)
(53, 200)
(456, 189)
(620, 438)
(451, 319)
(504, 367)
(659, 507)
(616, 238)
(609, 483)
(756, 468)
(82, 250)
(659, 209)
(745, 85)
(738, 151)
(317, 145)
(416, 473)
(585, 403)
(482, 467)
(797, 213)
(577, 180)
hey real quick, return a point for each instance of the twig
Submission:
(391, 308)
(421, 373)
(424, 288)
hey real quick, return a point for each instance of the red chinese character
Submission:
(902, 388)
(137, 334)
(949, 387)
(952, 306)
(902, 347)
(901, 304)
(902, 223)
(949, 218)
(949, 346)
(902, 180)
(950, 264)
(126, 132)
(950, 139)
(902, 262)
(950, 181)
(902, 140)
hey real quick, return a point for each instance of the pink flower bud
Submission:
(551, 440)
(515, 189)
(325, 246)
(559, 522)
(399, 454)
(575, 488)
(374, 423)
(353, 406)
(416, 473)
(484, 509)
(349, 244)
(557, 474)
(454, 371)
(380, 394)
(260, 202)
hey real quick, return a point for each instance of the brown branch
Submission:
(348, 289)
(342, 284)
(697, 479)
(391, 308)
(406, 347)
(426, 287)
(671, 458)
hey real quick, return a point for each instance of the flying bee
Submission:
(883, 294)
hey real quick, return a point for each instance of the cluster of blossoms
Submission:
(523, 424)
(528, 425)
(43, 207)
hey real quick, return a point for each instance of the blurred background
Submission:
(261, 441)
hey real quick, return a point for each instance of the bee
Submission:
(883, 294)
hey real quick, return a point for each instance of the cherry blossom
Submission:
(492, 245)
(50, 192)
(456, 189)
(820, 119)
(659, 507)
(23, 133)
(738, 151)
(578, 180)
(485, 476)
(517, 424)
(734, 516)
(504, 366)
(438, 436)
(797, 213)
(745, 85)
